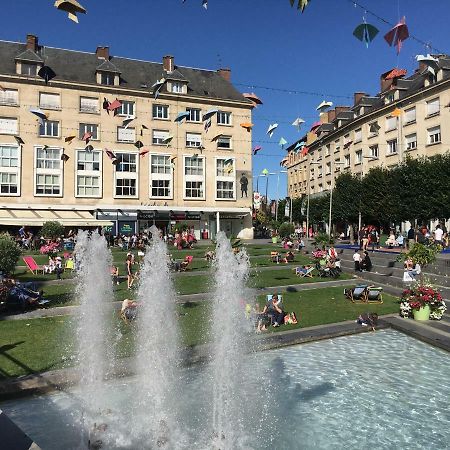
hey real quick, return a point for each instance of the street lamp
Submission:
(278, 194)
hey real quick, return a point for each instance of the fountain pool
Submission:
(378, 390)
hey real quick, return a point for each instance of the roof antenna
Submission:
(219, 60)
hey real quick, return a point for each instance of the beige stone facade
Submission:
(178, 171)
(409, 118)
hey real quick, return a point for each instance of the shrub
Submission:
(9, 254)
(52, 230)
(322, 240)
(286, 229)
(421, 253)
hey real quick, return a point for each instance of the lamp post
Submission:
(278, 194)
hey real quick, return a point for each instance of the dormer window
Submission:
(389, 98)
(29, 69)
(177, 87)
(107, 79)
(107, 73)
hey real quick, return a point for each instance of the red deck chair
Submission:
(32, 265)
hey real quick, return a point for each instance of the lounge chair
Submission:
(274, 257)
(32, 265)
(374, 294)
(302, 272)
(358, 294)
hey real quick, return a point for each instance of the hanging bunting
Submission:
(365, 33)
(256, 149)
(397, 35)
(71, 7)
(271, 129)
(282, 142)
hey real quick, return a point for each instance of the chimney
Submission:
(225, 73)
(168, 63)
(340, 109)
(103, 53)
(324, 117)
(385, 84)
(357, 96)
(331, 115)
(32, 42)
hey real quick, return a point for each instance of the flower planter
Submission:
(274, 240)
(422, 313)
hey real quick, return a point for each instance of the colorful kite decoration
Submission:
(271, 129)
(324, 105)
(111, 156)
(168, 140)
(143, 152)
(40, 115)
(395, 73)
(114, 106)
(247, 125)
(282, 142)
(157, 86)
(256, 149)
(69, 139)
(305, 151)
(265, 172)
(89, 148)
(207, 125)
(215, 138)
(298, 122)
(208, 114)
(105, 104)
(374, 127)
(127, 121)
(71, 7)
(397, 112)
(365, 33)
(19, 140)
(87, 137)
(284, 162)
(143, 127)
(253, 98)
(302, 4)
(181, 116)
(46, 73)
(138, 145)
(397, 35)
(205, 4)
(64, 157)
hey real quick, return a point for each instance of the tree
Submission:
(319, 208)
(347, 198)
(9, 254)
(52, 230)
(286, 229)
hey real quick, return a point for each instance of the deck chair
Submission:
(274, 257)
(374, 294)
(358, 294)
(186, 263)
(32, 265)
(304, 273)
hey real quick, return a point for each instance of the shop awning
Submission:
(34, 217)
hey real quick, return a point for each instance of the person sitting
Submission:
(300, 245)
(289, 257)
(287, 244)
(400, 240)
(391, 242)
(357, 261)
(21, 294)
(275, 257)
(50, 267)
(115, 274)
(274, 311)
(366, 262)
(210, 255)
(415, 270)
(128, 310)
(58, 267)
(370, 319)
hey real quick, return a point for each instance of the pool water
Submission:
(381, 390)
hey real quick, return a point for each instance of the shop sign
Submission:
(126, 227)
(146, 215)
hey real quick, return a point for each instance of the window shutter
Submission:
(125, 134)
(410, 115)
(49, 100)
(88, 104)
(8, 126)
(433, 107)
(9, 97)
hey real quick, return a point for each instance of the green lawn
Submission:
(36, 345)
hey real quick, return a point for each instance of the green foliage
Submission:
(319, 208)
(346, 198)
(322, 240)
(286, 229)
(180, 227)
(52, 230)
(422, 253)
(9, 254)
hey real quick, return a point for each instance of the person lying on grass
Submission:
(25, 295)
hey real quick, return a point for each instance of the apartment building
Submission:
(409, 117)
(91, 139)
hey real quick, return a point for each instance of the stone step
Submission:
(439, 325)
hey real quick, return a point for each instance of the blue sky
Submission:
(265, 43)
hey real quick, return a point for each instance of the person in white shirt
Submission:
(438, 233)
(357, 260)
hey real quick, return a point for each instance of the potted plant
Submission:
(422, 301)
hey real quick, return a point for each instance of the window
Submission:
(347, 161)
(160, 112)
(49, 101)
(312, 173)
(223, 118)
(107, 78)
(88, 174)
(224, 142)
(359, 157)
(410, 115)
(328, 168)
(373, 129)
(373, 151)
(194, 115)
(159, 136)
(161, 176)
(50, 128)
(434, 135)
(9, 169)
(177, 87)
(337, 165)
(194, 177)
(346, 139)
(48, 171)
(337, 146)
(320, 170)
(9, 97)
(358, 135)
(126, 175)
(8, 125)
(89, 128)
(320, 187)
(126, 108)
(193, 140)
(29, 69)
(126, 134)
(225, 179)
(391, 123)
(89, 105)
(411, 141)
(433, 107)
(392, 147)
(389, 98)
(327, 149)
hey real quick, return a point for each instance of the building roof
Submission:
(29, 55)
(80, 67)
(107, 66)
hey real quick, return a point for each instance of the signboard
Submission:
(126, 227)
(184, 216)
(273, 207)
(146, 215)
(287, 208)
(257, 200)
